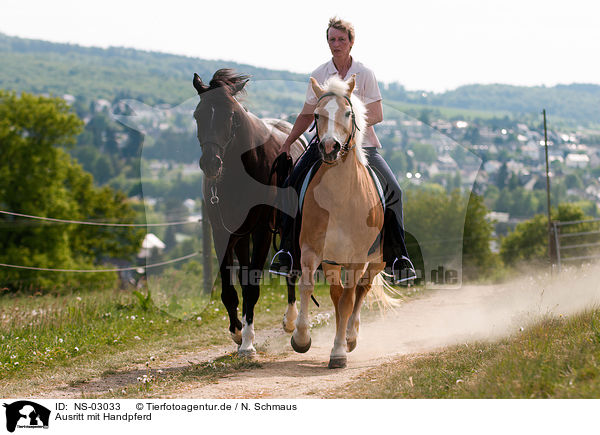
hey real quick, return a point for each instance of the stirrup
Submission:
(277, 268)
(411, 275)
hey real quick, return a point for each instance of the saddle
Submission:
(304, 181)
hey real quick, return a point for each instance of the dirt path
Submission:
(442, 318)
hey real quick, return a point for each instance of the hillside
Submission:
(91, 73)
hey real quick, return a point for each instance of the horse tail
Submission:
(383, 294)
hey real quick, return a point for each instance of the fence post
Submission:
(556, 253)
(207, 277)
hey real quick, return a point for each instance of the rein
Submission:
(345, 148)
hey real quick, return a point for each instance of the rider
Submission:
(340, 37)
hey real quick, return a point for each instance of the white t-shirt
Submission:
(366, 89)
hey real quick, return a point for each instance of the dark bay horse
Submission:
(342, 218)
(240, 192)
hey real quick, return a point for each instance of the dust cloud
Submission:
(473, 312)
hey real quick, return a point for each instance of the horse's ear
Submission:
(200, 87)
(316, 87)
(238, 87)
(351, 83)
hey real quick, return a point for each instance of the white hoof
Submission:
(249, 352)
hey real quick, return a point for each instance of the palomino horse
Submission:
(342, 217)
(239, 187)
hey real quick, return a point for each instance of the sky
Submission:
(432, 45)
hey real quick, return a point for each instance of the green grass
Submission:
(74, 337)
(556, 357)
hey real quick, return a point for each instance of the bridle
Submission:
(222, 148)
(345, 148)
(214, 198)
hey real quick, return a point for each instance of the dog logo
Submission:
(26, 414)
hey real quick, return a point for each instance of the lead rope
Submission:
(214, 200)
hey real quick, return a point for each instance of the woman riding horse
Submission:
(342, 218)
(340, 37)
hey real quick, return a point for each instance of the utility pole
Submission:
(206, 252)
(551, 253)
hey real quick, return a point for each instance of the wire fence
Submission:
(106, 224)
(123, 269)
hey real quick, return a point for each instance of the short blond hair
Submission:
(343, 25)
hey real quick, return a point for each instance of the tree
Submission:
(38, 177)
(478, 258)
(529, 240)
(424, 153)
(502, 176)
(439, 217)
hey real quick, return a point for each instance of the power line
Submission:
(65, 221)
(43, 269)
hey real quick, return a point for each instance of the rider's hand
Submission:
(285, 148)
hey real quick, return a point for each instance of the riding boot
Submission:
(395, 254)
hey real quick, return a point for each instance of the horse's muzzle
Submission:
(212, 166)
(329, 149)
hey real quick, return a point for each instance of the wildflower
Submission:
(132, 317)
(60, 340)
(137, 337)
(76, 349)
(199, 319)
(152, 358)
(151, 322)
(160, 372)
(78, 298)
(458, 381)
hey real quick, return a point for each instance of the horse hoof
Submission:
(287, 328)
(236, 336)
(247, 353)
(351, 345)
(337, 362)
(300, 349)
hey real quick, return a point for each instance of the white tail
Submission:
(383, 294)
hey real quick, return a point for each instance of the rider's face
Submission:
(339, 44)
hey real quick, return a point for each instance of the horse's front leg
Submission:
(338, 357)
(229, 296)
(291, 313)
(301, 340)
(250, 292)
